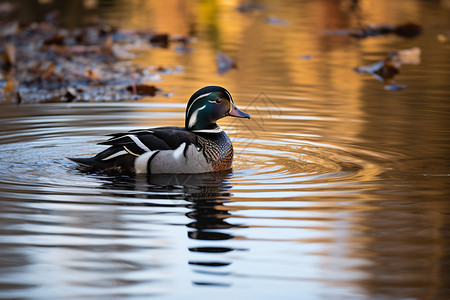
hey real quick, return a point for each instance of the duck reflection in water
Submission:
(204, 195)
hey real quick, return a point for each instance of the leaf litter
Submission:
(42, 62)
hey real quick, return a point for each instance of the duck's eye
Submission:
(218, 100)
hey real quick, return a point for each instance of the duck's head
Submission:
(208, 105)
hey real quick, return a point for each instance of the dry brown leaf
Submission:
(160, 40)
(387, 72)
(47, 70)
(143, 89)
(92, 74)
(10, 89)
(10, 29)
(107, 47)
(10, 53)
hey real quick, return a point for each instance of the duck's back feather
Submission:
(127, 146)
(162, 138)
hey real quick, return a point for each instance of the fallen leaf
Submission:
(55, 40)
(224, 63)
(9, 29)
(47, 70)
(383, 70)
(11, 89)
(92, 74)
(143, 89)
(107, 46)
(370, 68)
(408, 30)
(82, 49)
(387, 71)
(10, 52)
(71, 94)
(249, 7)
(160, 40)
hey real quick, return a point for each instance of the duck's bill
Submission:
(236, 112)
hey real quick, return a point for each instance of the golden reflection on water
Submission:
(393, 248)
(385, 239)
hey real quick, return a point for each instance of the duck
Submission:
(201, 146)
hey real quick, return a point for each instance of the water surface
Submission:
(339, 188)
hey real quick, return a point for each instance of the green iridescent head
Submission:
(208, 105)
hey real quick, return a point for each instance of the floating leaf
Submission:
(224, 63)
(395, 87)
(370, 68)
(408, 30)
(250, 7)
(276, 21)
(383, 70)
(387, 69)
(407, 56)
(160, 40)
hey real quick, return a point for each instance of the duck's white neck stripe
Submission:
(193, 118)
(193, 101)
(138, 142)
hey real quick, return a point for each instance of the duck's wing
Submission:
(137, 142)
(125, 147)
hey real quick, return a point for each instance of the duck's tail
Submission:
(88, 162)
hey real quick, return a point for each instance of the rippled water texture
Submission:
(339, 188)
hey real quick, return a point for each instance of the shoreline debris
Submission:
(385, 70)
